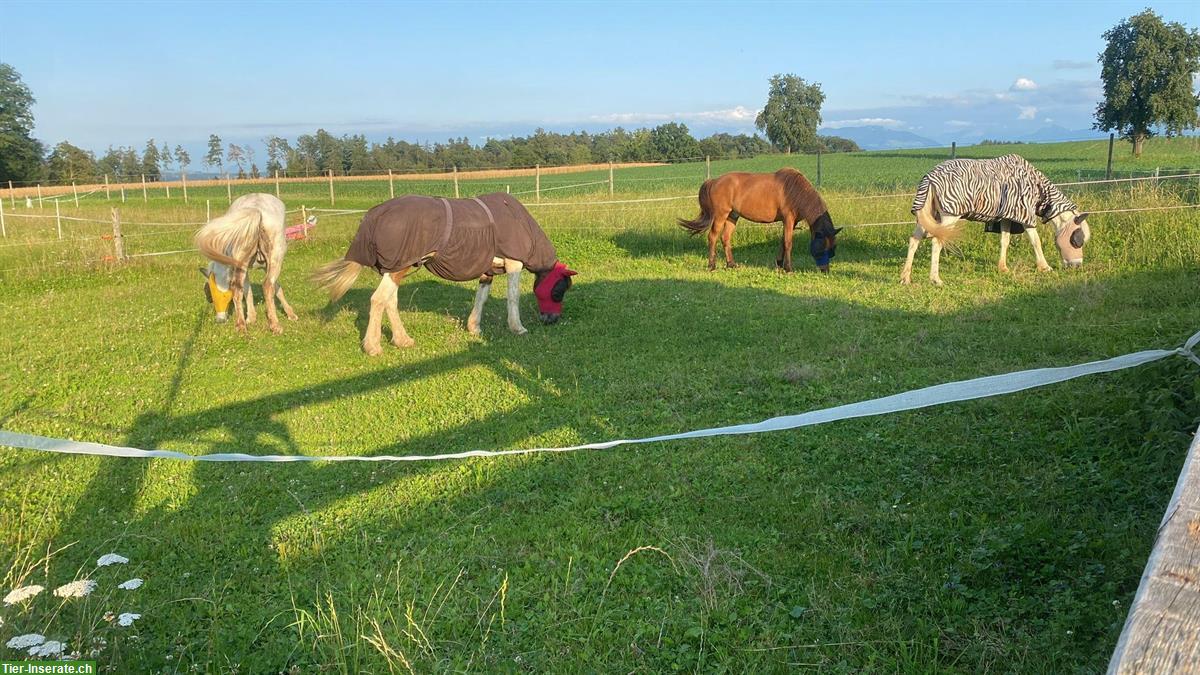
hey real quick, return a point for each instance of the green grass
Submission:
(1005, 534)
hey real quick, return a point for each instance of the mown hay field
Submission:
(1005, 534)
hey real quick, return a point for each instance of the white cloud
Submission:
(738, 114)
(864, 122)
(1028, 112)
(1024, 84)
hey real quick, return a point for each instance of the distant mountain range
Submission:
(883, 138)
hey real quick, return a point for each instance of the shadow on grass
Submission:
(631, 358)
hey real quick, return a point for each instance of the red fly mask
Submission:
(550, 287)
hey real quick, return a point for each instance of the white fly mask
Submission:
(1070, 238)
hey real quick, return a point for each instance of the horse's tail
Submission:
(336, 277)
(231, 238)
(704, 220)
(925, 208)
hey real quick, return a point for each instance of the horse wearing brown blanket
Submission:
(458, 240)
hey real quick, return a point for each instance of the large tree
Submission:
(70, 163)
(20, 153)
(792, 113)
(1147, 69)
(672, 141)
(182, 158)
(151, 161)
(214, 157)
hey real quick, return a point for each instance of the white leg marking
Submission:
(481, 296)
(513, 269)
(1005, 236)
(934, 263)
(379, 301)
(1036, 242)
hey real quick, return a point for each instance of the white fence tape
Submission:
(951, 392)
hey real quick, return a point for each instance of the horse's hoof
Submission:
(251, 318)
(372, 350)
(474, 330)
(731, 266)
(1046, 269)
(1003, 268)
(936, 282)
(276, 329)
(520, 330)
(712, 268)
(905, 282)
(292, 316)
(404, 343)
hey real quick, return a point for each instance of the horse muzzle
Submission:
(222, 317)
(1077, 262)
(548, 318)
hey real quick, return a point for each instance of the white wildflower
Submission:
(22, 594)
(51, 648)
(111, 559)
(25, 641)
(130, 585)
(127, 619)
(76, 589)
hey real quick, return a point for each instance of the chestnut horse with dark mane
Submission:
(785, 195)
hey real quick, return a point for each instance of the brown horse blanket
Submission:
(455, 239)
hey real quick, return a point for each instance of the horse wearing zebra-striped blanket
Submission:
(1007, 194)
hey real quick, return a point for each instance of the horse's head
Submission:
(1071, 232)
(549, 287)
(823, 245)
(216, 288)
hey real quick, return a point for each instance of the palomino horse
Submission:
(250, 233)
(785, 195)
(458, 240)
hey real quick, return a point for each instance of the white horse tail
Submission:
(336, 277)
(925, 209)
(232, 238)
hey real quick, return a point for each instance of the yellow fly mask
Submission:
(218, 297)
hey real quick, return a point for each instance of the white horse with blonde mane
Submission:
(251, 233)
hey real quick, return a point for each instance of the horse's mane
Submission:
(801, 196)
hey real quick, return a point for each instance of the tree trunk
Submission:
(1139, 139)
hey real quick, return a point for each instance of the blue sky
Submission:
(119, 73)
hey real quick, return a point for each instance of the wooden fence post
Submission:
(145, 197)
(304, 219)
(707, 167)
(610, 178)
(12, 196)
(184, 177)
(391, 186)
(818, 167)
(3, 230)
(228, 188)
(122, 193)
(1108, 169)
(331, 202)
(276, 182)
(39, 195)
(57, 219)
(537, 181)
(456, 181)
(118, 240)
(75, 191)
(207, 210)
(953, 149)
(1156, 178)
(168, 188)
(107, 194)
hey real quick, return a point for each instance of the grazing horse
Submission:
(458, 240)
(1009, 195)
(251, 233)
(785, 195)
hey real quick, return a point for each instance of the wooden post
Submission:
(168, 187)
(207, 210)
(276, 182)
(107, 194)
(228, 188)
(57, 219)
(304, 219)
(75, 191)
(507, 189)
(145, 197)
(3, 230)
(12, 196)
(707, 167)
(184, 177)
(1108, 169)
(331, 202)
(818, 167)
(39, 195)
(122, 193)
(537, 181)
(611, 187)
(118, 240)
(953, 149)
(391, 186)
(1156, 178)
(456, 181)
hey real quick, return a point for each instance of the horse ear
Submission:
(568, 272)
(203, 272)
(1080, 218)
(838, 229)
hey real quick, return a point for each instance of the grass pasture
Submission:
(1004, 535)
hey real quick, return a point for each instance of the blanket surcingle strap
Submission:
(449, 225)
(491, 219)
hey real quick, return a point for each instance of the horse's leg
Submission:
(513, 269)
(379, 302)
(785, 246)
(481, 296)
(714, 232)
(251, 314)
(914, 242)
(237, 281)
(727, 240)
(287, 309)
(269, 289)
(934, 266)
(400, 337)
(1005, 236)
(1036, 242)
